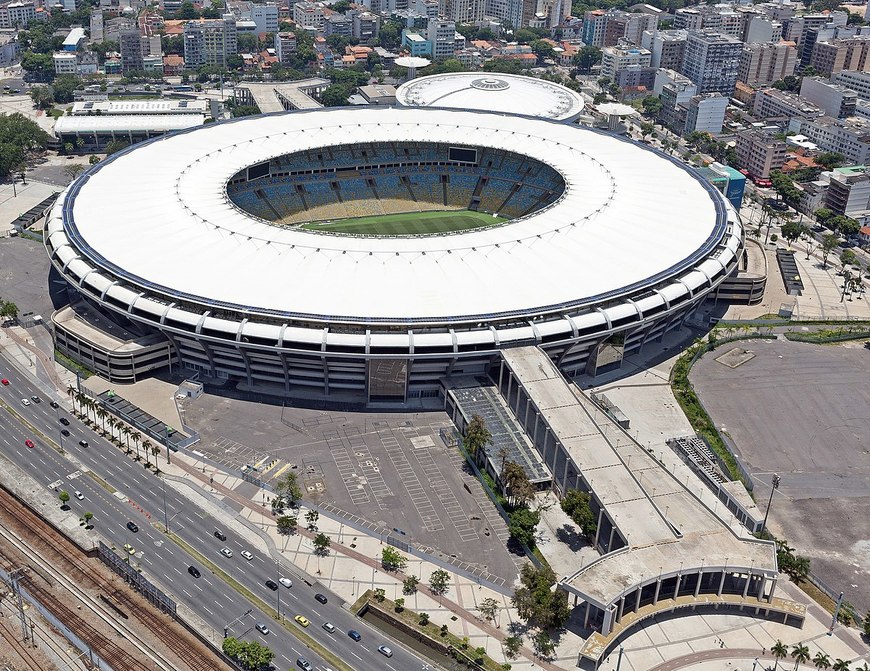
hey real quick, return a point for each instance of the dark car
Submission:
(355, 635)
(36, 399)
(220, 535)
(64, 421)
(83, 443)
(193, 571)
(64, 432)
(321, 597)
(54, 404)
(132, 526)
(271, 584)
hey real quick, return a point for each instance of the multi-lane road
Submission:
(163, 560)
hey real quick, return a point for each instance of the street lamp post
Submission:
(165, 514)
(774, 485)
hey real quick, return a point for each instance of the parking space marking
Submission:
(348, 472)
(458, 517)
(410, 481)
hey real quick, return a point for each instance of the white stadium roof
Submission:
(126, 123)
(513, 94)
(158, 216)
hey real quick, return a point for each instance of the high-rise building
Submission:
(706, 113)
(130, 46)
(365, 26)
(308, 15)
(859, 82)
(712, 61)
(285, 46)
(17, 14)
(667, 47)
(441, 35)
(464, 11)
(614, 59)
(266, 17)
(761, 64)
(96, 26)
(760, 153)
(849, 192)
(719, 18)
(852, 53)
(210, 41)
(849, 137)
(772, 103)
(836, 100)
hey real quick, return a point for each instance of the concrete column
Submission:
(746, 586)
(677, 587)
(598, 528)
(500, 375)
(772, 589)
(519, 400)
(610, 540)
(658, 588)
(565, 472)
(621, 607)
(761, 581)
(525, 421)
(700, 578)
(721, 583)
(556, 447)
(535, 432)
(586, 615)
(637, 602)
(607, 622)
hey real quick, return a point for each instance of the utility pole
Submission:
(230, 624)
(15, 575)
(774, 485)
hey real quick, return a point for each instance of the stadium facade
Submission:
(198, 249)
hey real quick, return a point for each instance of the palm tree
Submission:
(779, 650)
(155, 451)
(148, 454)
(841, 665)
(146, 445)
(801, 654)
(101, 415)
(822, 661)
(112, 422)
(136, 436)
(72, 393)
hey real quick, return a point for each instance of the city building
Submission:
(849, 137)
(608, 28)
(441, 35)
(285, 46)
(378, 94)
(837, 100)
(338, 24)
(96, 24)
(717, 18)
(829, 58)
(859, 82)
(760, 153)
(712, 61)
(308, 15)
(130, 46)
(511, 12)
(17, 14)
(366, 26)
(676, 97)
(772, 103)
(10, 49)
(464, 11)
(667, 48)
(416, 43)
(614, 59)
(705, 113)
(758, 29)
(210, 41)
(65, 63)
(762, 64)
(849, 193)
(74, 40)
(265, 17)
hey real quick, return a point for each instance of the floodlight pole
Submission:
(774, 485)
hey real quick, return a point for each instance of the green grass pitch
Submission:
(408, 223)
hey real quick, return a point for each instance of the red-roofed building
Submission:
(173, 64)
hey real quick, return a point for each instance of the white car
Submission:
(226, 552)
(25, 401)
(247, 555)
(286, 582)
(79, 495)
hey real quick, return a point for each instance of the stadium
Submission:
(369, 253)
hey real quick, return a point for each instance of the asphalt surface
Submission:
(160, 558)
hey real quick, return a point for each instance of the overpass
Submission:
(281, 96)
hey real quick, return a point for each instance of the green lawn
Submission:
(408, 223)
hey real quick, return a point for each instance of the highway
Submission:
(215, 601)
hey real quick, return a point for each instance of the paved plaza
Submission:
(803, 411)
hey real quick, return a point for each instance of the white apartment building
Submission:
(463, 11)
(210, 41)
(366, 26)
(65, 63)
(17, 14)
(849, 137)
(265, 17)
(614, 59)
(837, 100)
(308, 15)
(285, 46)
(441, 34)
(706, 113)
(668, 47)
(859, 82)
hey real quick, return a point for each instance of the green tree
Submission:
(848, 258)
(543, 49)
(822, 661)
(287, 492)
(779, 650)
(64, 85)
(830, 160)
(793, 230)
(42, 97)
(336, 95)
(19, 138)
(40, 66)
(543, 644)
(87, 517)
(73, 170)
(477, 437)
(311, 518)
(392, 559)
(516, 485)
(865, 624)
(537, 603)
(439, 581)
(841, 665)
(399, 605)
(232, 647)
(829, 244)
(522, 525)
(651, 105)
(577, 505)
(647, 129)
(823, 215)
(380, 595)
(8, 310)
(187, 11)
(488, 609)
(64, 498)
(115, 146)
(409, 584)
(321, 544)
(512, 645)
(286, 524)
(586, 57)
(800, 654)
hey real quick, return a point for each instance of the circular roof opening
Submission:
(490, 84)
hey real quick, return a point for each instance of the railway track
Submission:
(19, 648)
(80, 570)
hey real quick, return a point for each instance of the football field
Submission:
(408, 223)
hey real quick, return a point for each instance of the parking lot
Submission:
(390, 469)
(803, 411)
